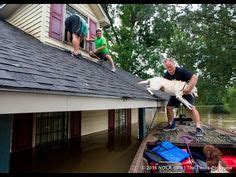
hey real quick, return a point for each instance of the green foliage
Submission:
(230, 99)
(202, 41)
(206, 44)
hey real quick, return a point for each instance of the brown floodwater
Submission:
(95, 154)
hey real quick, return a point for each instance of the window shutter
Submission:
(75, 124)
(22, 132)
(111, 129)
(56, 21)
(92, 32)
(111, 119)
(128, 125)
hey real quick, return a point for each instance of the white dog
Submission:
(172, 87)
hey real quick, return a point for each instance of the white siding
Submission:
(82, 8)
(35, 18)
(134, 116)
(28, 18)
(94, 121)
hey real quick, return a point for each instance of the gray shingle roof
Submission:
(28, 64)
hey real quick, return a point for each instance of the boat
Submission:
(147, 160)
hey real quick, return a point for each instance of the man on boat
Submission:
(178, 73)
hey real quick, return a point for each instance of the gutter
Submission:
(75, 94)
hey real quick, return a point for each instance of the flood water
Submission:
(225, 121)
(96, 154)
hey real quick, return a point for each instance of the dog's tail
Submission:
(145, 82)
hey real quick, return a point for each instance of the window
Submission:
(123, 126)
(57, 20)
(120, 121)
(71, 11)
(51, 128)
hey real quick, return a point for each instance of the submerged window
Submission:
(51, 128)
(123, 127)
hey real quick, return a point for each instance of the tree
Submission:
(230, 99)
(144, 30)
(206, 44)
(202, 40)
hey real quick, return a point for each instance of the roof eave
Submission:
(100, 14)
(8, 9)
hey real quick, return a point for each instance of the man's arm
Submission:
(90, 40)
(192, 82)
(99, 49)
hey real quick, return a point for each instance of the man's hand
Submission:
(90, 39)
(94, 51)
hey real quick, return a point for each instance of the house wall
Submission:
(95, 121)
(35, 18)
(84, 9)
(29, 19)
(134, 116)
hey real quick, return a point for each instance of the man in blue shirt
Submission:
(177, 73)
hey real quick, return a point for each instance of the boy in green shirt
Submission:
(101, 50)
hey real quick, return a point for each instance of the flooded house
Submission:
(48, 96)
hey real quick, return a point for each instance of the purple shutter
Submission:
(111, 119)
(22, 132)
(128, 126)
(75, 124)
(56, 21)
(111, 129)
(92, 32)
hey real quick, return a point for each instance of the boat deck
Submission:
(212, 135)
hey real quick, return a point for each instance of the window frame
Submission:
(45, 135)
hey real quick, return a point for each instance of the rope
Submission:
(149, 128)
(187, 139)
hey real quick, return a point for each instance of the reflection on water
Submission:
(96, 154)
(225, 121)
(99, 152)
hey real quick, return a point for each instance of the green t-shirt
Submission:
(100, 42)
